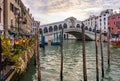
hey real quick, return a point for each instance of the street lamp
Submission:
(19, 19)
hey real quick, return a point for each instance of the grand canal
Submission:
(73, 69)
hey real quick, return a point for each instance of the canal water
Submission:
(73, 65)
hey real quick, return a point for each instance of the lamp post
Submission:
(19, 19)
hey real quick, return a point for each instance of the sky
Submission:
(50, 11)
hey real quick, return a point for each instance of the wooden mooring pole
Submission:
(61, 69)
(102, 59)
(108, 47)
(38, 53)
(84, 54)
(96, 47)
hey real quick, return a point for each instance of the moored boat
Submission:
(116, 44)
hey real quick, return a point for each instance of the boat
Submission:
(116, 44)
(55, 43)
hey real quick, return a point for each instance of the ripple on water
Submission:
(73, 69)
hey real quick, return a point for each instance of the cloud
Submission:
(48, 11)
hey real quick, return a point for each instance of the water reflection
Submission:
(73, 69)
(43, 52)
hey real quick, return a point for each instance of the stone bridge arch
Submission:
(89, 36)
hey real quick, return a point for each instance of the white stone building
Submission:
(90, 23)
(102, 20)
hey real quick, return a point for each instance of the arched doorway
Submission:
(65, 25)
(86, 28)
(90, 29)
(78, 26)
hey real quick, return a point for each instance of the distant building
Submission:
(114, 23)
(34, 26)
(90, 23)
(1, 15)
(102, 20)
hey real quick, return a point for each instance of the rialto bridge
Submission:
(71, 26)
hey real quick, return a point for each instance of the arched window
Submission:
(90, 29)
(78, 26)
(60, 26)
(55, 28)
(86, 28)
(93, 30)
(65, 25)
(98, 31)
(45, 30)
(50, 29)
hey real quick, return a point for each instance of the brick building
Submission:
(17, 17)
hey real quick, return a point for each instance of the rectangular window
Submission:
(100, 24)
(118, 17)
(118, 23)
(104, 23)
(12, 8)
(104, 27)
(104, 19)
(114, 23)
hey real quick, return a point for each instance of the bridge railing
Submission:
(91, 34)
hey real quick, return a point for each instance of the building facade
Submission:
(1, 15)
(102, 20)
(16, 17)
(34, 26)
(90, 23)
(114, 23)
